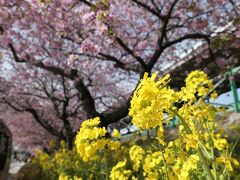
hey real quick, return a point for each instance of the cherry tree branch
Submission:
(35, 115)
(121, 43)
(185, 37)
(149, 9)
(131, 52)
(73, 74)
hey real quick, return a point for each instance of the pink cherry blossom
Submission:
(88, 46)
(109, 47)
(86, 18)
(71, 59)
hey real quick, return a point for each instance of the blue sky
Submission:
(226, 98)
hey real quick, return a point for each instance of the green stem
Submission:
(205, 164)
(106, 165)
(212, 150)
(165, 164)
(187, 128)
(189, 131)
(213, 163)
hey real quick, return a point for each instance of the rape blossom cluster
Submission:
(91, 139)
(199, 150)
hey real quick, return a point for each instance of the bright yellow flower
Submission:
(220, 143)
(91, 123)
(136, 155)
(214, 95)
(89, 138)
(169, 154)
(63, 177)
(160, 135)
(227, 161)
(76, 178)
(191, 141)
(176, 159)
(151, 165)
(119, 172)
(197, 82)
(189, 165)
(116, 133)
(101, 143)
(149, 101)
(114, 145)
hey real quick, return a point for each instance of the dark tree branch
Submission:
(188, 36)
(113, 59)
(46, 125)
(87, 3)
(72, 74)
(116, 114)
(36, 116)
(87, 100)
(159, 49)
(104, 56)
(131, 52)
(86, 97)
(156, 6)
(149, 9)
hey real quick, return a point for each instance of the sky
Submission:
(226, 98)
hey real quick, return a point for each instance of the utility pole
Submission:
(234, 90)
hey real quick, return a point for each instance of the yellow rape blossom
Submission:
(91, 123)
(189, 165)
(114, 145)
(152, 104)
(136, 155)
(191, 141)
(119, 172)
(214, 95)
(151, 165)
(116, 133)
(90, 138)
(227, 161)
(77, 178)
(220, 143)
(149, 100)
(160, 135)
(63, 177)
(197, 83)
